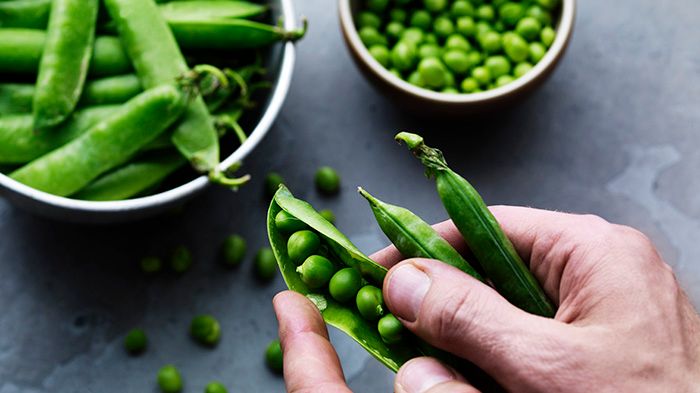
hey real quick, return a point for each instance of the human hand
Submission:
(623, 323)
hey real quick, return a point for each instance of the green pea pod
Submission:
(32, 14)
(207, 10)
(158, 61)
(484, 236)
(230, 33)
(132, 179)
(21, 49)
(106, 145)
(413, 237)
(345, 318)
(65, 60)
(17, 98)
(19, 143)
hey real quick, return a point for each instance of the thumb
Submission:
(459, 314)
(427, 375)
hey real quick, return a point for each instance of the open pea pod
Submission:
(343, 317)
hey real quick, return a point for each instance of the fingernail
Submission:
(406, 289)
(420, 375)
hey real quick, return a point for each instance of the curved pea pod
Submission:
(414, 237)
(210, 9)
(65, 60)
(32, 14)
(484, 236)
(19, 143)
(230, 33)
(132, 179)
(106, 145)
(21, 50)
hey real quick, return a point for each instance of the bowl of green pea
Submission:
(456, 57)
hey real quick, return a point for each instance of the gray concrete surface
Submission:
(614, 132)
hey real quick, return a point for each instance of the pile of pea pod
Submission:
(457, 46)
(105, 99)
(318, 261)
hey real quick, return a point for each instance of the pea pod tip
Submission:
(413, 141)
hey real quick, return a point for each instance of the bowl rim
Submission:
(565, 26)
(188, 189)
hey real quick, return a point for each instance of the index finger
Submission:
(310, 362)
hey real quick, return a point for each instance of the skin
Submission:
(601, 339)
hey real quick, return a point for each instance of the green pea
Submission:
(394, 30)
(430, 38)
(151, 265)
(287, 223)
(390, 328)
(450, 90)
(205, 329)
(540, 14)
(443, 26)
(381, 54)
(273, 356)
(529, 28)
(135, 342)
(169, 379)
(368, 19)
(536, 52)
(515, 47)
(301, 245)
(435, 5)
(497, 66)
(481, 75)
(469, 85)
(432, 72)
(510, 13)
(266, 264)
(215, 387)
(414, 35)
(499, 27)
(421, 19)
(273, 180)
(522, 69)
(474, 58)
(327, 214)
(449, 79)
(482, 27)
(461, 8)
(396, 73)
(429, 50)
(233, 249)
(498, 3)
(370, 302)
(504, 80)
(486, 12)
(415, 79)
(316, 271)
(456, 41)
(398, 15)
(547, 36)
(548, 4)
(466, 26)
(456, 61)
(181, 259)
(377, 6)
(403, 55)
(327, 180)
(370, 36)
(490, 41)
(345, 284)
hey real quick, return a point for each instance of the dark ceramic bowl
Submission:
(428, 102)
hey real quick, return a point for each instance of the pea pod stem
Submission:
(413, 237)
(484, 236)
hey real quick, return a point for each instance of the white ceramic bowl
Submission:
(280, 67)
